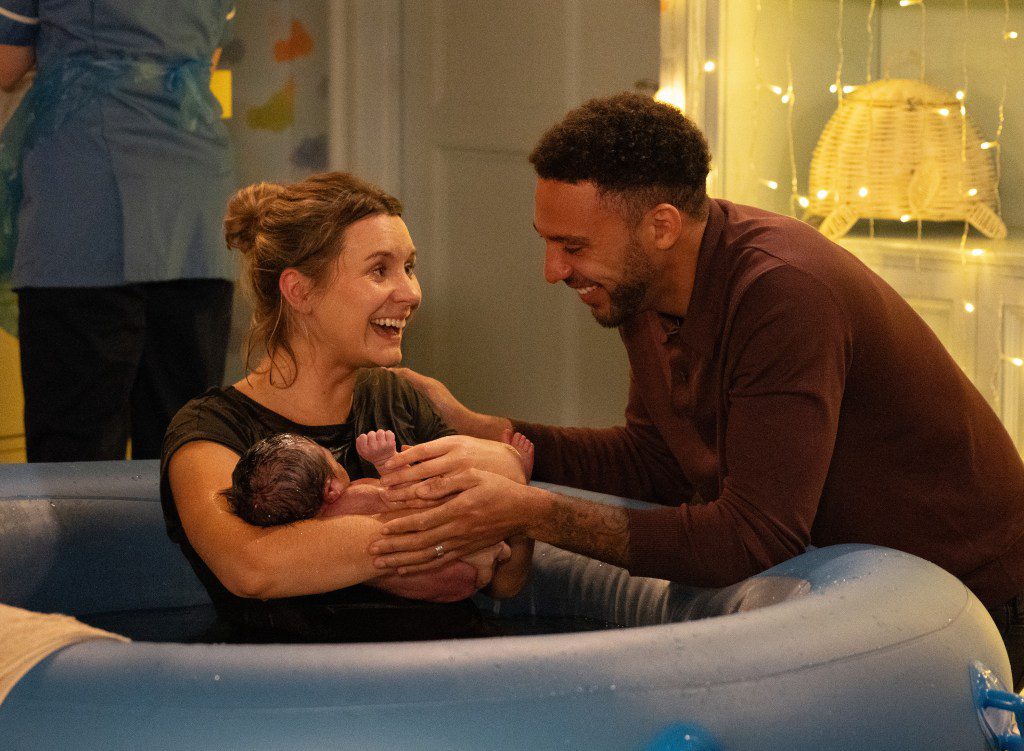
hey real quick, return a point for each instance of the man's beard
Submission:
(628, 297)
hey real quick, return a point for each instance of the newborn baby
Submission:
(287, 478)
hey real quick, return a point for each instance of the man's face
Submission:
(589, 246)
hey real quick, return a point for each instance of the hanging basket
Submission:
(900, 149)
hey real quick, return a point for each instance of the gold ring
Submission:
(439, 550)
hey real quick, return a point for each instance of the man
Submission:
(781, 393)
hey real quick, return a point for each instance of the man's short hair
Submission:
(278, 480)
(637, 151)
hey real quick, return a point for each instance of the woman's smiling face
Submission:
(358, 316)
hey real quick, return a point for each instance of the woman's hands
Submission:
(482, 509)
(454, 580)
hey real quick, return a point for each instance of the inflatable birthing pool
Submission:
(850, 647)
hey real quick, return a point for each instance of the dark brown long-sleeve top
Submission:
(800, 401)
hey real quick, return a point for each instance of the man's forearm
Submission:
(594, 529)
(482, 426)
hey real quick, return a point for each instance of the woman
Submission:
(330, 267)
(122, 167)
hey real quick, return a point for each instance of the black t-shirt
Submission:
(382, 400)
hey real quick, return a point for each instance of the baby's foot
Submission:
(523, 445)
(376, 447)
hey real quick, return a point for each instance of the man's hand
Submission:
(451, 410)
(446, 456)
(485, 509)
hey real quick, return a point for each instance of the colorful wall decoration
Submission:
(279, 62)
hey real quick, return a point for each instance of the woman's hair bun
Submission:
(247, 212)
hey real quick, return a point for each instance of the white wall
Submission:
(482, 81)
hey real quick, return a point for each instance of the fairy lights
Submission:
(1008, 36)
(784, 92)
(790, 100)
(963, 122)
(847, 89)
(840, 59)
(775, 29)
(869, 58)
(755, 58)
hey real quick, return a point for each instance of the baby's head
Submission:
(282, 479)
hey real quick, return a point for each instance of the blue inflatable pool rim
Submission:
(850, 647)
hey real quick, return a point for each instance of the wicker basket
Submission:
(896, 150)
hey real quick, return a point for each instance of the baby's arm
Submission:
(510, 575)
(376, 447)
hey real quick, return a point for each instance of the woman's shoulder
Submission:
(214, 405)
(222, 415)
(385, 387)
(381, 381)
(384, 399)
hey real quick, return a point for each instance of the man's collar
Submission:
(689, 327)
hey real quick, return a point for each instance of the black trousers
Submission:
(100, 364)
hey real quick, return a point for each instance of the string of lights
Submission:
(786, 94)
(837, 87)
(789, 99)
(759, 87)
(962, 96)
(868, 77)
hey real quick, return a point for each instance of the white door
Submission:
(481, 82)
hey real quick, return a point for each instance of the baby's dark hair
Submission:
(278, 480)
(637, 151)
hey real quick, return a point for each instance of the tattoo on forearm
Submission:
(593, 529)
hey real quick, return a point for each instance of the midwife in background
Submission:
(114, 173)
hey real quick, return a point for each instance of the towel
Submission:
(27, 638)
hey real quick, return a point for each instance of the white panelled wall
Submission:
(476, 85)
